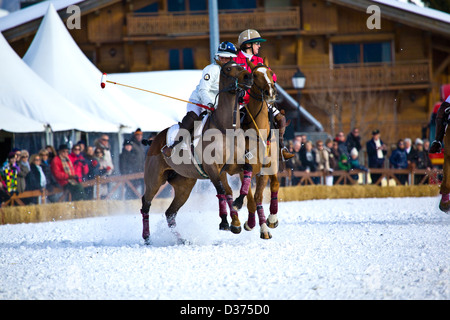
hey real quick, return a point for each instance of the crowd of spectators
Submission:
(66, 169)
(344, 153)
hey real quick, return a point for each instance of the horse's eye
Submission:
(228, 69)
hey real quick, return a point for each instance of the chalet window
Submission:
(366, 52)
(181, 59)
(236, 4)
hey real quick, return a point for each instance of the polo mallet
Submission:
(104, 81)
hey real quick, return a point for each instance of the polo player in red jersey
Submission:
(249, 43)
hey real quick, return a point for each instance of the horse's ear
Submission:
(250, 64)
(266, 61)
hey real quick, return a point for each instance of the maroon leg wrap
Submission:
(273, 202)
(222, 205)
(251, 221)
(145, 225)
(261, 215)
(246, 182)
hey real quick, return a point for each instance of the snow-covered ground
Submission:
(322, 249)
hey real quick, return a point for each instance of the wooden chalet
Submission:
(386, 78)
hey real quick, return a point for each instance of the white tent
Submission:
(26, 93)
(64, 66)
(13, 121)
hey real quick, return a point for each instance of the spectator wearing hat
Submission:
(376, 153)
(9, 173)
(64, 173)
(128, 165)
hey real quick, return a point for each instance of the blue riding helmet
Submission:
(226, 49)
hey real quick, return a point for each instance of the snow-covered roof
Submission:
(413, 8)
(57, 59)
(25, 92)
(33, 12)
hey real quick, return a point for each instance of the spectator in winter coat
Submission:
(354, 163)
(94, 170)
(35, 179)
(103, 142)
(411, 153)
(423, 160)
(24, 166)
(9, 173)
(80, 165)
(138, 150)
(127, 163)
(399, 160)
(323, 162)
(376, 153)
(105, 169)
(64, 173)
(51, 181)
(353, 140)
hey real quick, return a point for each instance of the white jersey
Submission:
(448, 99)
(207, 89)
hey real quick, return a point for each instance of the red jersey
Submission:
(241, 59)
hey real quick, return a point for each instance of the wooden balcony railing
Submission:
(306, 178)
(354, 76)
(197, 22)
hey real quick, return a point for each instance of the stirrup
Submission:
(281, 152)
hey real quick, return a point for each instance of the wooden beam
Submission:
(441, 67)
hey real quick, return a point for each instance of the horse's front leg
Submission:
(261, 182)
(223, 202)
(246, 179)
(272, 219)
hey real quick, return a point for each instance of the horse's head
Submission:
(263, 84)
(240, 76)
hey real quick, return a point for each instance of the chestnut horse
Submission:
(265, 166)
(182, 172)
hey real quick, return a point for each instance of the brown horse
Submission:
(206, 160)
(265, 155)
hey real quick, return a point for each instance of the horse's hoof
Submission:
(225, 226)
(266, 235)
(235, 225)
(247, 227)
(272, 221)
(444, 206)
(238, 202)
(235, 230)
(147, 241)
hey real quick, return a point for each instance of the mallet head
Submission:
(103, 83)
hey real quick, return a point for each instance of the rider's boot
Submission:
(441, 121)
(281, 124)
(188, 124)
